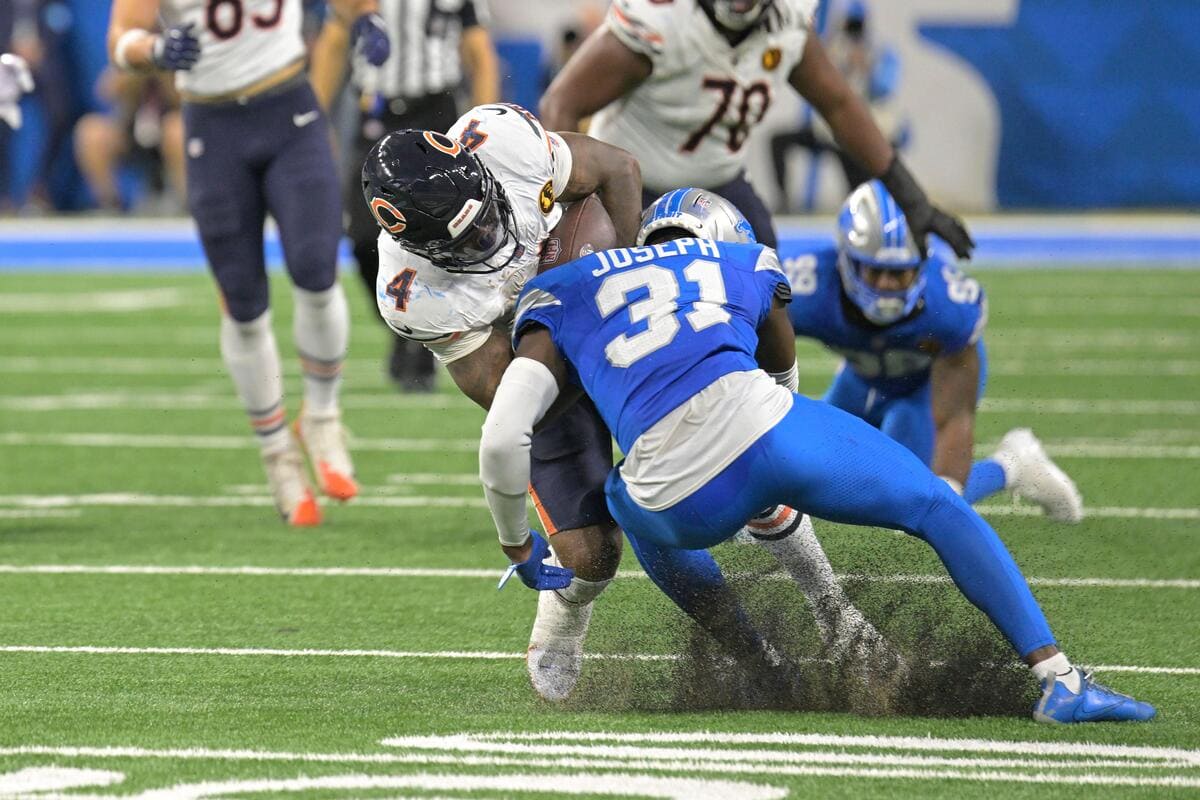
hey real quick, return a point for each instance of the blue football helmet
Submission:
(872, 232)
(703, 214)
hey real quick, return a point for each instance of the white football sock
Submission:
(1058, 668)
(252, 359)
(788, 536)
(322, 331)
(568, 611)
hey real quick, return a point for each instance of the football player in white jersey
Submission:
(464, 216)
(681, 84)
(257, 143)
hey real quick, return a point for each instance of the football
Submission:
(584, 228)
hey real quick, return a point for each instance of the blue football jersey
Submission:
(896, 358)
(646, 328)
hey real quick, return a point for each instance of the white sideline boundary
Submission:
(492, 574)
(431, 655)
(1082, 448)
(239, 500)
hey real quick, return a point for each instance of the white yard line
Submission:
(137, 500)
(451, 655)
(492, 574)
(196, 442)
(145, 500)
(1093, 512)
(163, 365)
(1078, 448)
(109, 302)
(1095, 407)
(133, 400)
(869, 741)
(38, 513)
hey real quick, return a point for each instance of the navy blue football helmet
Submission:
(440, 202)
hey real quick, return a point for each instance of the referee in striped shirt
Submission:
(434, 42)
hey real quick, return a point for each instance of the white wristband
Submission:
(789, 379)
(121, 48)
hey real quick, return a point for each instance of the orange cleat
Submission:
(324, 439)
(288, 481)
(306, 514)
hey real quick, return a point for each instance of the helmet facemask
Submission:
(880, 306)
(872, 233)
(485, 237)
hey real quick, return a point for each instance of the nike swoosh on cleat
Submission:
(300, 120)
(1088, 714)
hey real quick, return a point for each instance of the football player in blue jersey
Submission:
(910, 331)
(676, 342)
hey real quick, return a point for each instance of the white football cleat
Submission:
(288, 480)
(555, 656)
(1032, 475)
(324, 439)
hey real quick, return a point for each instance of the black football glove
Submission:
(924, 217)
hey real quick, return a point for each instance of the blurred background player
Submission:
(873, 71)
(677, 344)
(682, 84)
(911, 332)
(15, 81)
(144, 124)
(33, 30)
(434, 45)
(258, 143)
(464, 216)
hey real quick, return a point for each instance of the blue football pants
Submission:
(832, 465)
(908, 418)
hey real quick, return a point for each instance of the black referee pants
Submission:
(411, 365)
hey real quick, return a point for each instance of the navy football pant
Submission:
(827, 463)
(739, 192)
(273, 155)
(569, 460)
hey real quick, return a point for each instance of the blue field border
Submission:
(173, 247)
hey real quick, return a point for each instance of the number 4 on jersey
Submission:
(400, 288)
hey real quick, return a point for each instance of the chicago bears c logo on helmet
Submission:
(441, 141)
(397, 223)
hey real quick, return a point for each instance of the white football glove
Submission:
(15, 80)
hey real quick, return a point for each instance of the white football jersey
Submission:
(241, 41)
(454, 313)
(687, 123)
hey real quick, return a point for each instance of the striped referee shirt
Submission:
(425, 56)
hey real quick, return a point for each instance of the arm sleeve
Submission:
(525, 393)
